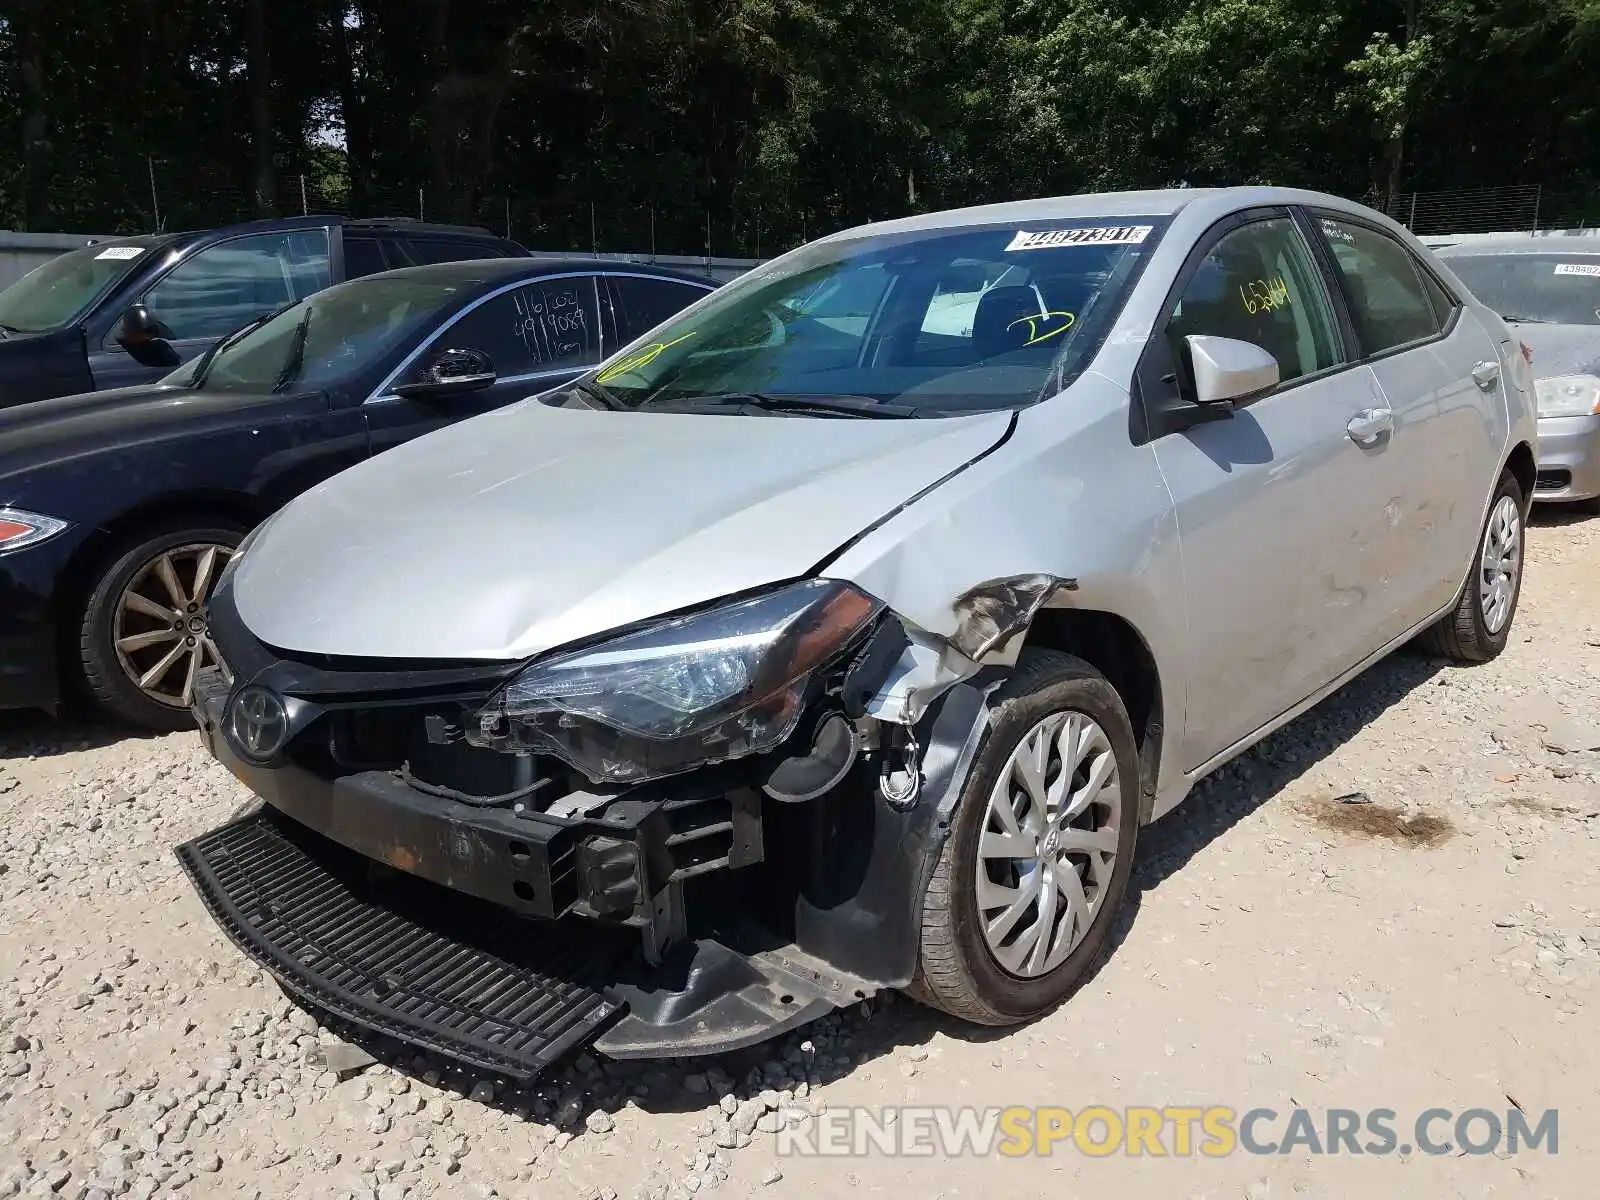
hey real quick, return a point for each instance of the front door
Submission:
(538, 334)
(1267, 501)
(214, 291)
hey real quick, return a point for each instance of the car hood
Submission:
(529, 528)
(1561, 349)
(36, 438)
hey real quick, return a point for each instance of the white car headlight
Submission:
(19, 529)
(719, 685)
(1568, 395)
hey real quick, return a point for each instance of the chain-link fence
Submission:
(173, 199)
(155, 194)
(1497, 210)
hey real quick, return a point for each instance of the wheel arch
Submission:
(1114, 647)
(1524, 464)
(77, 578)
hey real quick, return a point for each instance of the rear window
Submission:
(1553, 288)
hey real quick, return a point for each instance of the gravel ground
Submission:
(1438, 946)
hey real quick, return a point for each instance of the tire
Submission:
(1467, 634)
(958, 970)
(107, 682)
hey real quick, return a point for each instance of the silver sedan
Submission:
(1547, 288)
(843, 632)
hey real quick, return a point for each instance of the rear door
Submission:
(538, 333)
(364, 255)
(215, 290)
(1438, 371)
(1269, 502)
(641, 302)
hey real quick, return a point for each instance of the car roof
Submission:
(1516, 243)
(149, 241)
(320, 220)
(490, 272)
(1157, 202)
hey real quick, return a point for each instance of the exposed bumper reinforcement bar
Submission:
(457, 977)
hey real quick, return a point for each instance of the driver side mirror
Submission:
(146, 338)
(1227, 371)
(449, 372)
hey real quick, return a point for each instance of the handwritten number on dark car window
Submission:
(552, 322)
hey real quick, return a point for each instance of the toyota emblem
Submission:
(258, 723)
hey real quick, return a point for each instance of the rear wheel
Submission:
(1030, 880)
(144, 636)
(1479, 626)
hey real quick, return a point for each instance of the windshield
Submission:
(1558, 288)
(923, 324)
(59, 291)
(324, 338)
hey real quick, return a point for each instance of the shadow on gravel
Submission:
(1222, 800)
(37, 733)
(1555, 516)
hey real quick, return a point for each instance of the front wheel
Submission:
(1479, 626)
(144, 637)
(1030, 880)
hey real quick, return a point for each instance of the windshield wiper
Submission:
(606, 398)
(297, 354)
(203, 366)
(836, 406)
(1516, 319)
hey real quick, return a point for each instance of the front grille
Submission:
(1552, 481)
(404, 957)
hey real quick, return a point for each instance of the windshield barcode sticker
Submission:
(1097, 235)
(1578, 268)
(121, 252)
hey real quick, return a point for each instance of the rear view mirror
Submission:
(1227, 371)
(146, 338)
(449, 372)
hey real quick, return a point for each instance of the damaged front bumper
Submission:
(498, 910)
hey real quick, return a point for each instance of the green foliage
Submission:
(745, 125)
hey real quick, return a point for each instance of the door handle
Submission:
(1369, 426)
(1486, 374)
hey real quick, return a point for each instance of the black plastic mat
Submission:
(408, 959)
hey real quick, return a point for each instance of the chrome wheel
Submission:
(1500, 564)
(1048, 844)
(163, 641)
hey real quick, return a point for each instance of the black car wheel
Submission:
(144, 636)
(1029, 881)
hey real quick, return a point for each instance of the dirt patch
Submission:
(1370, 820)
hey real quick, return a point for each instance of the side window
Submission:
(642, 304)
(1260, 284)
(232, 283)
(423, 251)
(546, 325)
(362, 256)
(1443, 305)
(1389, 300)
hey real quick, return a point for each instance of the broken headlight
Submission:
(720, 684)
